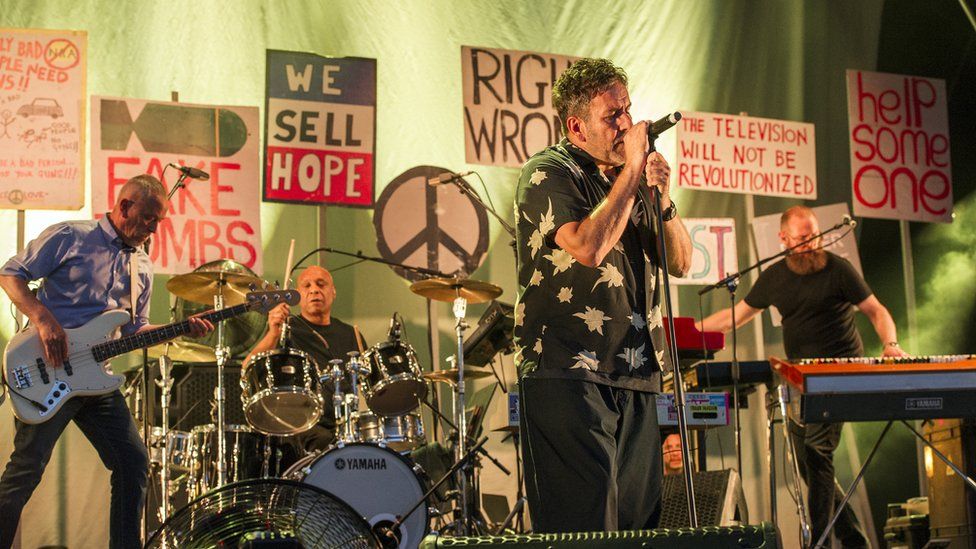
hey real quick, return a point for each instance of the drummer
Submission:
(315, 331)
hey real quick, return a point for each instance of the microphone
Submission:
(395, 328)
(655, 129)
(192, 173)
(447, 178)
(848, 220)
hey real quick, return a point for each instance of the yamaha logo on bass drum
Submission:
(361, 464)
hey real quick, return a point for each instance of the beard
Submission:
(807, 262)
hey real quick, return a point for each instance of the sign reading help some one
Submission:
(899, 130)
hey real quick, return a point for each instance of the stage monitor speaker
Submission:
(761, 536)
(719, 500)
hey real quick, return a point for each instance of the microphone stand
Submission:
(678, 382)
(359, 255)
(466, 190)
(731, 283)
(146, 383)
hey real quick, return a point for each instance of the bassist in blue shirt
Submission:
(87, 270)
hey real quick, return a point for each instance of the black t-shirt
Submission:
(333, 341)
(600, 324)
(817, 308)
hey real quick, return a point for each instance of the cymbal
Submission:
(447, 289)
(450, 375)
(201, 287)
(182, 351)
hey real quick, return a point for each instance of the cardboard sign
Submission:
(42, 119)
(320, 128)
(207, 220)
(508, 113)
(713, 254)
(746, 155)
(899, 130)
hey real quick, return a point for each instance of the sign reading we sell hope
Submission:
(508, 113)
(207, 220)
(42, 119)
(746, 155)
(321, 119)
(899, 131)
(713, 254)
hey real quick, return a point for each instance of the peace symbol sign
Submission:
(434, 227)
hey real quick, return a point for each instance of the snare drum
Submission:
(394, 386)
(378, 483)
(280, 392)
(402, 433)
(244, 453)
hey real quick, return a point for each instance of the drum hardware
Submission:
(459, 292)
(165, 383)
(389, 535)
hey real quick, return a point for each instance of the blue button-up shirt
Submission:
(85, 267)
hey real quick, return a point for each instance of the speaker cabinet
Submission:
(719, 500)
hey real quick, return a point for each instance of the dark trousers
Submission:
(815, 444)
(592, 456)
(106, 422)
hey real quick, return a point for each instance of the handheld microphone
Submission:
(447, 178)
(654, 129)
(192, 173)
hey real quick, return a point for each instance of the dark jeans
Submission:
(815, 444)
(106, 422)
(592, 456)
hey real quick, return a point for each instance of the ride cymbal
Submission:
(450, 375)
(202, 287)
(448, 289)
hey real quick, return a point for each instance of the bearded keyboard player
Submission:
(816, 292)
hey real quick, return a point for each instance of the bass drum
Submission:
(378, 483)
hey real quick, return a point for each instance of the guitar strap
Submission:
(133, 283)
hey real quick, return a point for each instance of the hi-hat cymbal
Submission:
(182, 351)
(202, 287)
(450, 375)
(448, 289)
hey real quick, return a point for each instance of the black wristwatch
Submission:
(670, 212)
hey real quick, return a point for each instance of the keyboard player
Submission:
(816, 292)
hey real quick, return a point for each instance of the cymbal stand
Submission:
(165, 384)
(223, 355)
(335, 374)
(460, 308)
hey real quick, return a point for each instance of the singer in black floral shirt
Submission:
(588, 320)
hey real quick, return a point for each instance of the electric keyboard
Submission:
(880, 389)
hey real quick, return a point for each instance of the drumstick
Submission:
(283, 339)
(359, 340)
(291, 256)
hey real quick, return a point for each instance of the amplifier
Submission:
(761, 536)
(719, 500)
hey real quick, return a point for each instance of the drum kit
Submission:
(376, 397)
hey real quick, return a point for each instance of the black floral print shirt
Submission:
(601, 324)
